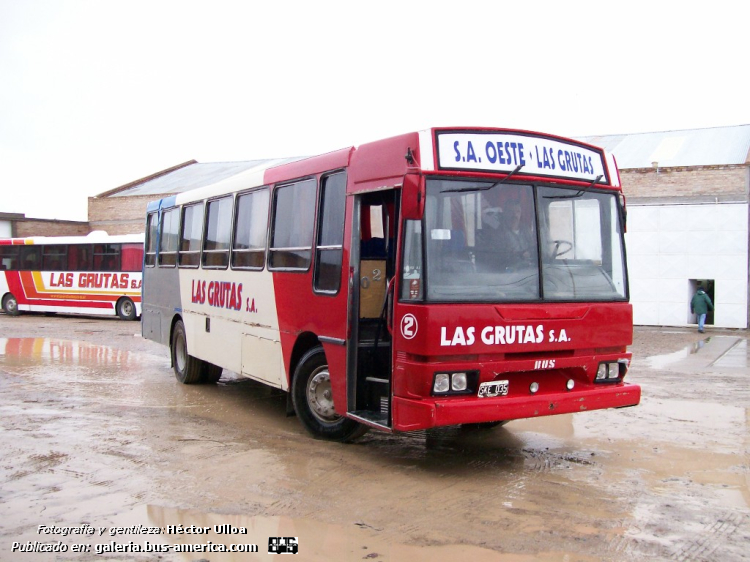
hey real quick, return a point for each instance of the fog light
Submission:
(442, 382)
(614, 370)
(458, 382)
(534, 387)
(570, 384)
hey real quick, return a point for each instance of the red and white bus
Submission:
(95, 274)
(442, 277)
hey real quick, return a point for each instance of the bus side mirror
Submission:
(412, 197)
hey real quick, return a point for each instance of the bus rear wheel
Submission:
(126, 309)
(10, 305)
(189, 369)
(312, 396)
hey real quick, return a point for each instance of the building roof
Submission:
(185, 177)
(716, 146)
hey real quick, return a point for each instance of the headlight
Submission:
(458, 382)
(611, 371)
(442, 383)
(461, 382)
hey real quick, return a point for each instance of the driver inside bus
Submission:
(517, 241)
(507, 242)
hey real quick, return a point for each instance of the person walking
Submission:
(700, 305)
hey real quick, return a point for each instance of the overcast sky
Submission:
(95, 94)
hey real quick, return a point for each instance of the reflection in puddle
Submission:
(715, 351)
(21, 351)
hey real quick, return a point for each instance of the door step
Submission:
(373, 419)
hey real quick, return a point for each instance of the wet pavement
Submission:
(97, 435)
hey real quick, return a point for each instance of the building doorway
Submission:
(708, 286)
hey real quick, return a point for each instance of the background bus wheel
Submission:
(313, 400)
(187, 369)
(10, 305)
(126, 309)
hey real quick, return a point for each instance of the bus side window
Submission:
(132, 257)
(9, 257)
(55, 257)
(106, 257)
(292, 232)
(152, 229)
(79, 257)
(190, 236)
(218, 233)
(251, 229)
(329, 251)
(170, 224)
(31, 258)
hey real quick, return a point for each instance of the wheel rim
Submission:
(127, 308)
(10, 304)
(320, 395)
(180, 355)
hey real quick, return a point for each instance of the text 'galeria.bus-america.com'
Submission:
(447, 276)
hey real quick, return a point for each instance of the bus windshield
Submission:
(497, 242)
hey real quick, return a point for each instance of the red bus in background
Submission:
(447, 276)
(95, 274)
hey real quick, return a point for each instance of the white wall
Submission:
(668, 245)
(6, 228)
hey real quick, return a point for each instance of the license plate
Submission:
(493, 388)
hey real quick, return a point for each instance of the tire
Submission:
(211, 373)
(313, 400)
(125, 309)
(484, 425)
(187, 369)
(10, 305)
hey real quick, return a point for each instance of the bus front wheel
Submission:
(312, 396)
(10, 305)
(189, 369)
(126, 309)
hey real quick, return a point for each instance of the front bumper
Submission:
(410, 414)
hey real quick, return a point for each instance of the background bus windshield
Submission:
(519, 243)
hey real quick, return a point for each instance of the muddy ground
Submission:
(97, 434)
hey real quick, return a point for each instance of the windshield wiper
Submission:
(577, 194)
(484, 187)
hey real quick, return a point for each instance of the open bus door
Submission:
(373, 266)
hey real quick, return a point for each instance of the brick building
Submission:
(687, 194)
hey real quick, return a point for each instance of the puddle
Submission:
(713, 351)
(22, 351)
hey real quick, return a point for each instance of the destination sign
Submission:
(504, 152)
